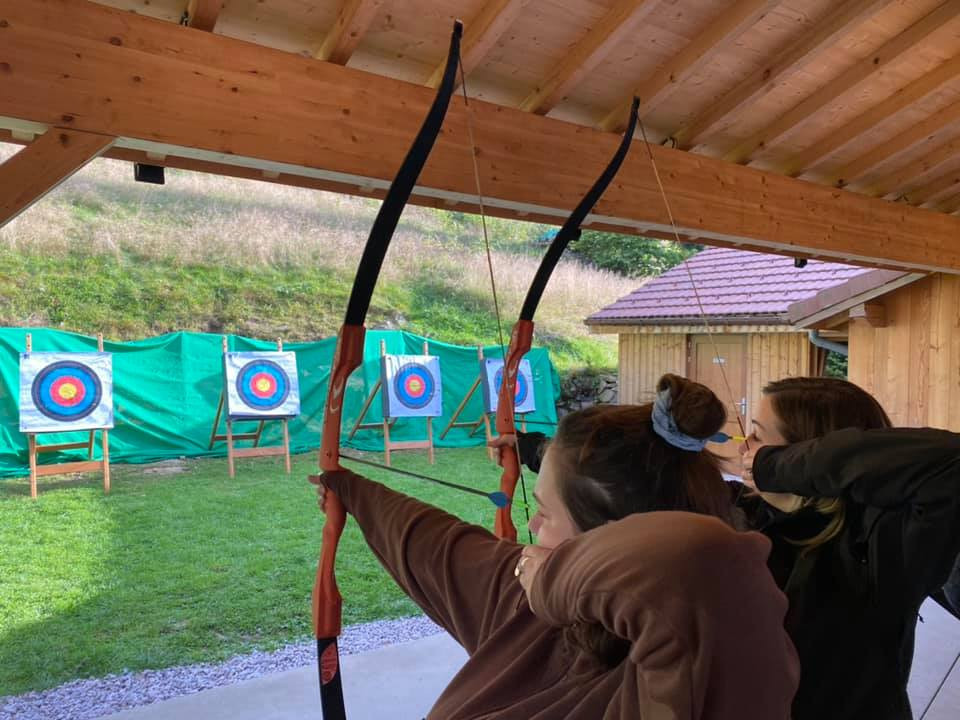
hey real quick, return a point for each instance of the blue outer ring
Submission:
(423, 374)
(44, 401)
(245, 392)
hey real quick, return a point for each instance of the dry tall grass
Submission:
(205, 219)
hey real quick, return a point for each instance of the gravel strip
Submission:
(89, 699)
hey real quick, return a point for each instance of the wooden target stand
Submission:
(230, 437)
(75, 466)
(389, 445)
(484, 419)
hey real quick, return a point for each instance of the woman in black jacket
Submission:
(865, 524)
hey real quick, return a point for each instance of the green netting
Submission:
(166, 391)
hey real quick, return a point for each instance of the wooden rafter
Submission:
(481, 33)
(621, 20)
(76, 55)
(950, 206)
(922, 131)
(874, 63)
(946, 184)
(846, 16)
(836, 138)
(907, 175)
(353, 21)
(203, 14)
(656, 88)
(39, 168)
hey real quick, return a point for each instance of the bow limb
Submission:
(522, 335)
(327, 602)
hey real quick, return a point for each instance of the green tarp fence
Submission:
(166, 391)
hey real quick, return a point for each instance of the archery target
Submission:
(261, 384)
(65, 391)
(523, 398)
(412, 384)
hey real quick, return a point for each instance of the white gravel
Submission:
(93, 698)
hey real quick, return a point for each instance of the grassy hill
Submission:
(205, 253)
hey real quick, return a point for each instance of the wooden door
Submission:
(720, 362)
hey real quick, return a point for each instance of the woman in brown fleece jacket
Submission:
(625, 608)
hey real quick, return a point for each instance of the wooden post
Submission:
(32, 442)
(105, 439)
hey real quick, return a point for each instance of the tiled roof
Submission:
(754, 287)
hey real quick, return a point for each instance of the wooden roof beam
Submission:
(203, 14)
(944, 73)
(67, 58)
(950, 206)
(845, 16)
(481, 33)
(908, 175)
(658, 86)
(353, 20)
(874, 63)
(926, 130)
(45, 163)
(622, 19)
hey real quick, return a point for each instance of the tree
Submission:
(631, 255)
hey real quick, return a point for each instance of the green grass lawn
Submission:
(187, 566)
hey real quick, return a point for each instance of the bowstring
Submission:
(693, 285)
(493, 282)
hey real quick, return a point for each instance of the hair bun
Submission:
(697, 411)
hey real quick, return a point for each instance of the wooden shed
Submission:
(903, 334)
(743, 297)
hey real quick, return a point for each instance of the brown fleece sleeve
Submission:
(459, 574)
(696, 602)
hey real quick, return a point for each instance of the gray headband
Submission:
(666, 427)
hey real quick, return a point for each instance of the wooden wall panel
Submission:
(912, 366)
(773, 356)
(770, 356)
(644, 358)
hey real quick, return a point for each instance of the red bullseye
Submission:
(416, 387)
(67, 391)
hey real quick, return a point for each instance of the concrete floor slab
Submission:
(402, 681)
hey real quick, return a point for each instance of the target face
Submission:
(66, 391)
(262, 384)
(523, 397)
(412, 386)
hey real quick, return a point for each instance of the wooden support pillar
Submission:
(41, 166)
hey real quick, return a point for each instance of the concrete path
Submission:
(402, 682)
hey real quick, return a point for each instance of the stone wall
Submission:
(586, 388)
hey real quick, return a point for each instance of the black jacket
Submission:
(854, 600)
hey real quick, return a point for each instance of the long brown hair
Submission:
(611, 463)
(809, 408)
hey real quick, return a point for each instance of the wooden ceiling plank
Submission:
(839, 22)
(667, 78)
(39, 168)
(950, 206)
(922, 131)
(481, 33)
(861, 71)
(905, 177)
(948, 183)
(944, 73)
(100, 70)
(353, 21)
(203, 14)
(622, 19)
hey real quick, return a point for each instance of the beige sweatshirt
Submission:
(693, 597)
